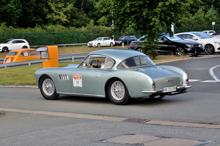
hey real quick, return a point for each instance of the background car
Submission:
(210, 43)
(125, 40)
(101, 41)
(21, 55)
(210, 32)
(126, 74)
(171, 44)
(13, 44)
(217, 34)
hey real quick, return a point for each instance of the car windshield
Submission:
(7, 42)
(12, 53)
(123, 37)
(174, 38)
(201, 35)
(98, 39)
(135, 62)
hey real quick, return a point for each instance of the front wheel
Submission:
(209, 49)
(48, 89)
(98, 45)
(179, 51)
(117, 92)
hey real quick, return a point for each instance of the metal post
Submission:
(73, 59)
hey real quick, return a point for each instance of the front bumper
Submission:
(160, 91)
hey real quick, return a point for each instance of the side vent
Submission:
(64, 77)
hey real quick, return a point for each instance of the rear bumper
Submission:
(160, 91)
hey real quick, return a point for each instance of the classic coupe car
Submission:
(21, 55)
(118, 74)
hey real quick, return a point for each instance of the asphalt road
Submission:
(27, 119)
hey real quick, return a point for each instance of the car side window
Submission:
(24, 54)
(14, 42)
(97, 61)
(33, 53)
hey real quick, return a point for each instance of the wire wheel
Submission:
(48, 89)
(117, 92)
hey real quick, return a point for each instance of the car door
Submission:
(107, 41)
(164, 43)
(87, 80)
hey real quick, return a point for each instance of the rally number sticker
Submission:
(77, 81)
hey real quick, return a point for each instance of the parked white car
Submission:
(210, 43)
(101, 41)
(13, 44)
(210, 32)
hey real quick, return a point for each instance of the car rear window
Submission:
(12, 53)
(135, 62)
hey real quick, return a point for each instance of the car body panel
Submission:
(94, 81)
(21, 55)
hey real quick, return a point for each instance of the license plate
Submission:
(169, 89)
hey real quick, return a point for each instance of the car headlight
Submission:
(189, 45)
(218, 43)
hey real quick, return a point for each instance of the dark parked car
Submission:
(125, 39)
(172, 44)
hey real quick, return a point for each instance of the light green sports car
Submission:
(118, 74)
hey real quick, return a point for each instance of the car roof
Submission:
(19, 50)
(118, 54)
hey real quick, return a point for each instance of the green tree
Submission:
(151, 16)
(10, 11)
(59, 12)
(211, 16)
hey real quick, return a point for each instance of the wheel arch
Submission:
(108, 82)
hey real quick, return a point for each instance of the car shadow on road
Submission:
(143, 101)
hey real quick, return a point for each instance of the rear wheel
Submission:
(117, 92)
(209, 49)
(5, 49)
(111, 44)
(24, 47)
(48, 89)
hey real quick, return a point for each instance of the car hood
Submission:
(186, 42)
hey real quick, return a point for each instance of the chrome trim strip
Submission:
(81, 94)
(188, 86)
(154, 91)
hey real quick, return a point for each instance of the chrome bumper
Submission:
(160, 90)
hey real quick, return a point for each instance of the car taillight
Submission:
(154, 86)
(187, 81)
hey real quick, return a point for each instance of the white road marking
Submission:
(212, 73)
(194, 80)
